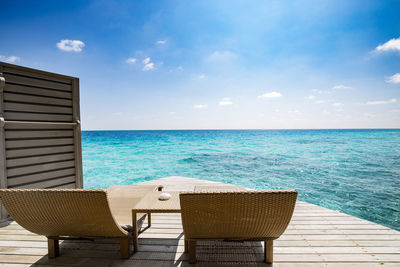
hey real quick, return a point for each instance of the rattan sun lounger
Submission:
(65, 214)
(244, 216)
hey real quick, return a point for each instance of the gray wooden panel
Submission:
(39, 142)
(77, 134)
(26, 152)
(23, 116)
(10, 134)
(13, 88)
(11, 106)
(49, 183)
(39, 159)
(34, 73)
(37, 99)
(39, 168)
(3, 166)
(23, 80)
(31, 178)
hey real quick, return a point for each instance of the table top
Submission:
(151, 203)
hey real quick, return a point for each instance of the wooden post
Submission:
(3, 169)
(77, 134)
(53, 248)
(268, 251)
(124, 248)
(135, 232)
(192, 251)
(186, 246)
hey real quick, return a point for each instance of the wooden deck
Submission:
(316, 237)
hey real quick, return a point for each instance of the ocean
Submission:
(353, 171)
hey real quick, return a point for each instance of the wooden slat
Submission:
(23, 80)
(36, 99)
(27, 152)
(40, 176)
(65, 186)
(37, 143)
(10, 134)
(50, 183)
(10, 106)
(39, 159)
(18, 171)
(23, 116)
(38, 126)
(13, 88)
(55, 77)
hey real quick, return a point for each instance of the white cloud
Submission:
(146, 60)
(200, 106)
(294, 111)
(319, 101)
(119, 113)
(391, 45)
(179, 69)
(382, 102)
(71, 45)
(394, 78)
(310, 97)
(10, 59)
(225, 101)
(270, 95)
(341, 86)
(131, 60)
(221, 56)
(161, 42)
(337, 104)
(148, 66)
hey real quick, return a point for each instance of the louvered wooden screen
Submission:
(40, 135)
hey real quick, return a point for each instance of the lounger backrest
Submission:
(66, 212)
(237, 215)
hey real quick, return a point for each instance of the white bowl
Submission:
(164, 196)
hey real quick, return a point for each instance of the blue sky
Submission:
(216, 64)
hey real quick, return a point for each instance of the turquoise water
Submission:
(354, 171)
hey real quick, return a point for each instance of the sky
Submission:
(216, 64)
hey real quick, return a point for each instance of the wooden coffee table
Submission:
(151, 204)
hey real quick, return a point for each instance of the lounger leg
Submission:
(186, 246)
(53, 248)
(124, 248)
(148, 220)
(192, 251)
(134, 232)
(268, 251)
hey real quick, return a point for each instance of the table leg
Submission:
(149, 219)
(134, 232)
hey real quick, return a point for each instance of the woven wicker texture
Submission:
(250, 215)
(64, 212)
(219, 188)
(122, 198)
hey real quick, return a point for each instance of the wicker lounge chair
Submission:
(244, 216)
(65, 214)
